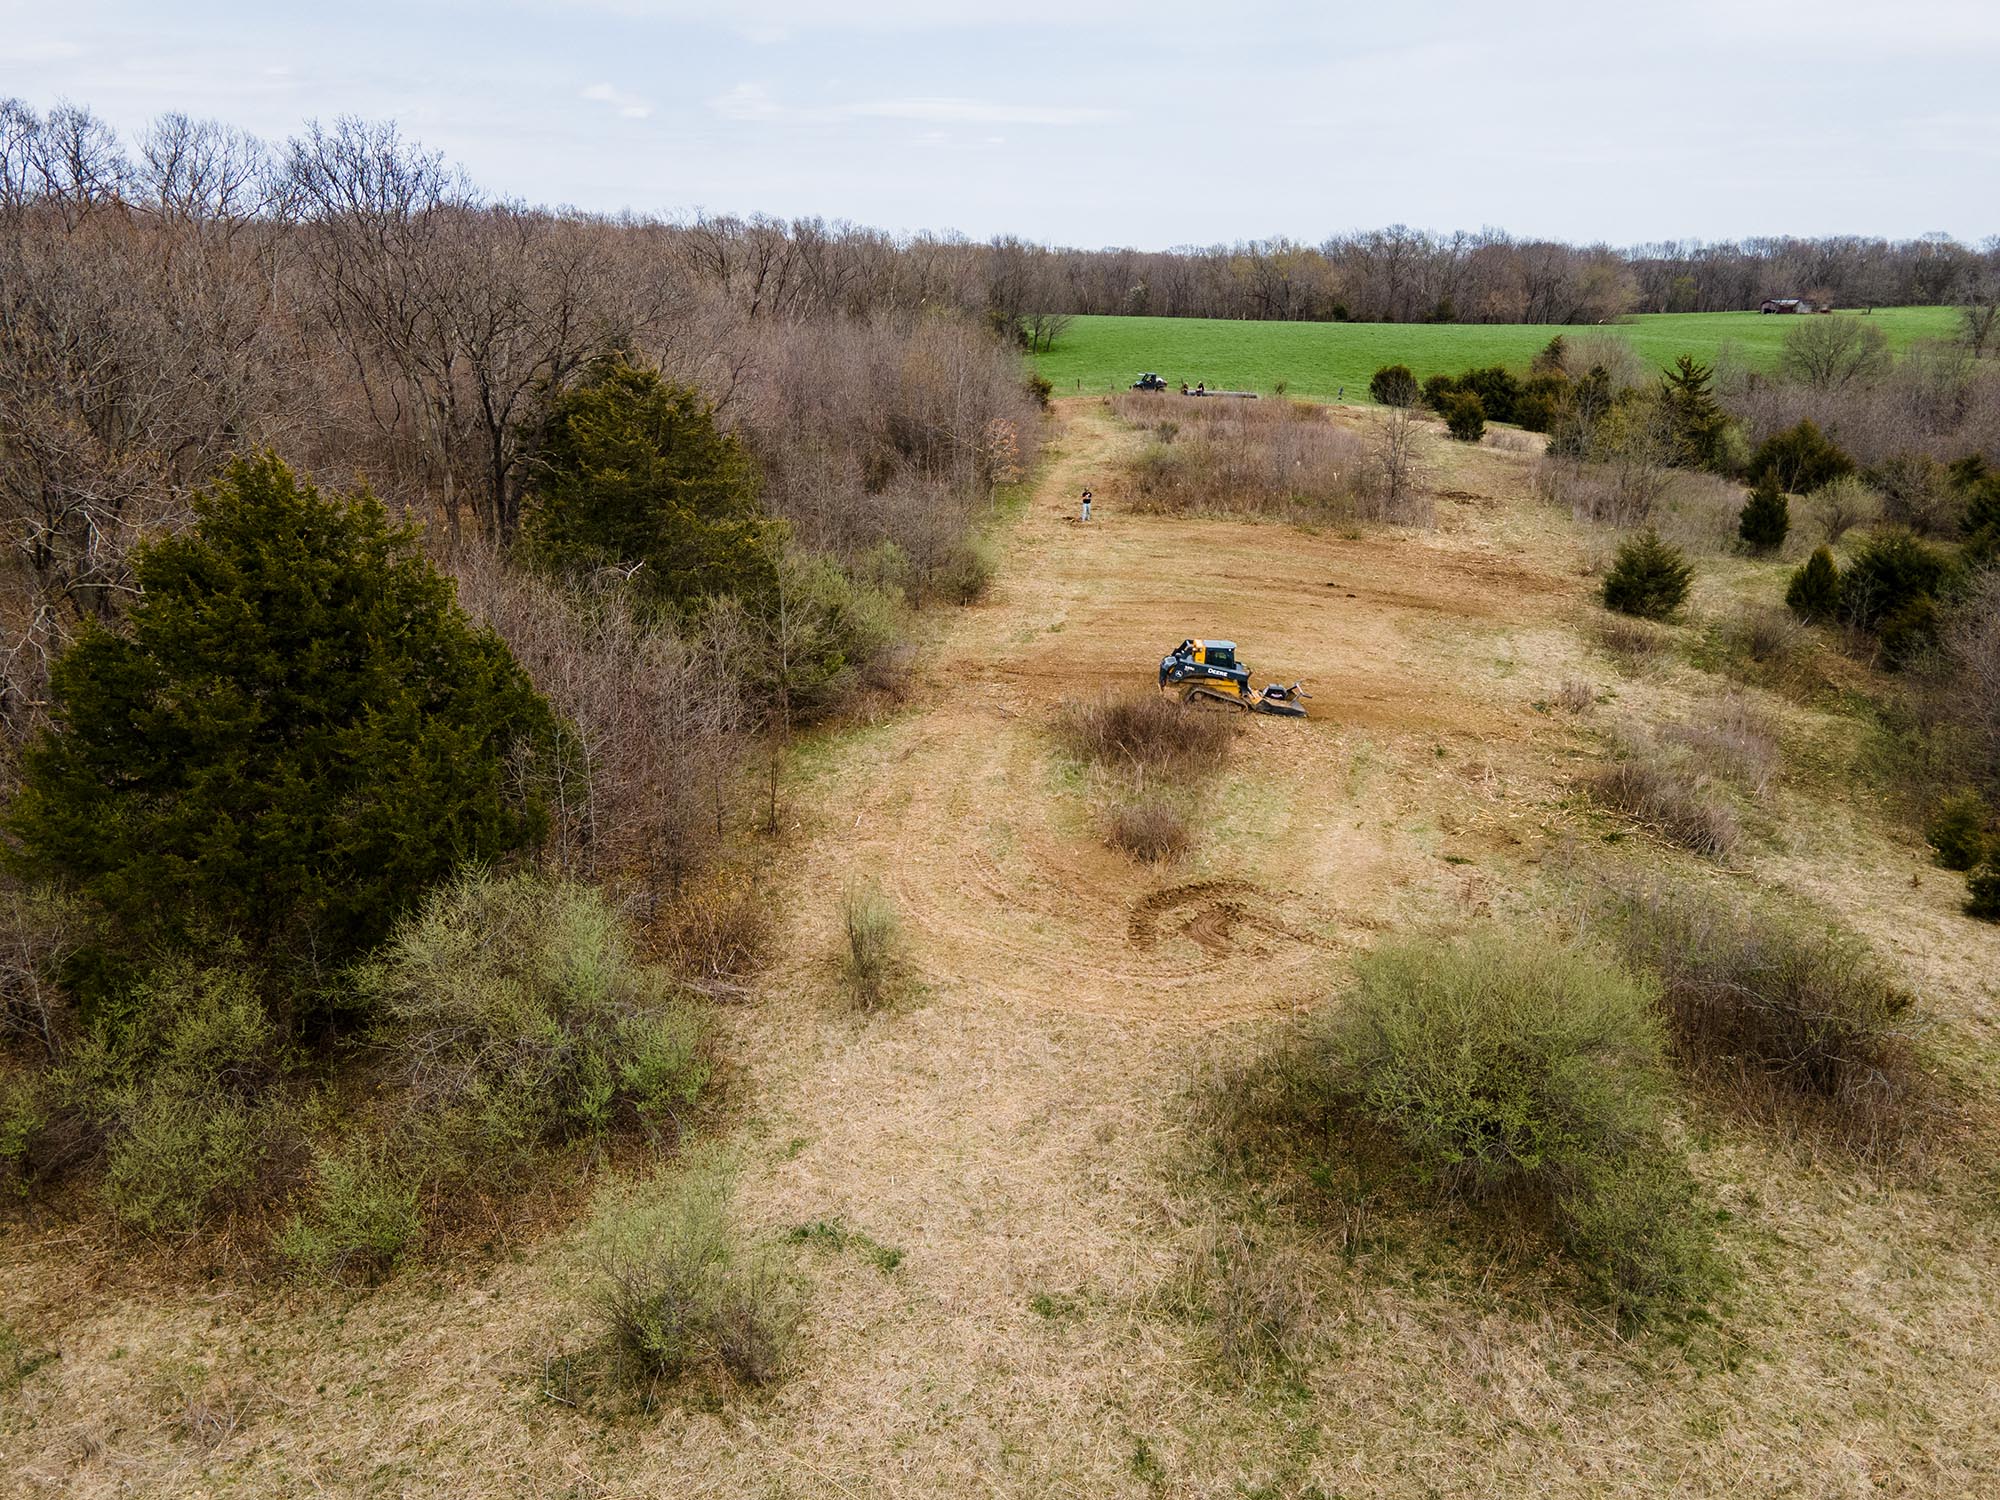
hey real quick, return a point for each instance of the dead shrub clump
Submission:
(874, 971)
(1274, 458)
(717, 933)
(1776, 1002)
(1149, 828)
(1682, 807)
(1770, 636)
(1630, 642)
(1576, 696)
(1732, 738)
(1145, 732)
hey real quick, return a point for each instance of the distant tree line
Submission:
(1394, 275)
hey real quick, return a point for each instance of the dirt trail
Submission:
(1011, 1129)
(964, 815)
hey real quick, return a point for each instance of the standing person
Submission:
(1086, 505)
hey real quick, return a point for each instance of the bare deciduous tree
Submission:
(454, 314)
(1397, 447)
(1979, 310)
(1832, 352)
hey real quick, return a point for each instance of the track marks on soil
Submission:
(1222, 917)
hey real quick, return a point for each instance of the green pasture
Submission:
(1318, 359)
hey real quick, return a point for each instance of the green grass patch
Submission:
(833, 1234)
(1099, 354)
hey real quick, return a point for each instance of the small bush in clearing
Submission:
(963, 573)
(1576, 696)
(361, 1213)
(1982, 892)
(515, 1013)
(1649, 788)
(1649, 578)
(679, 1299)
(1148, 732)
(1464, 416)
(1148, 828)
(1768, 635)
(873, 970)
(1957, 830)
(1394, 385)
(1497, 1062)
(1257, 1297)
(1766, 995)
(1505, 1066)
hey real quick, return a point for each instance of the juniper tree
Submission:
(1800, 459)
(295, 732)
(1394, 385)
(635, 474)
(1648, 578)
(1697, 420)
(1814, 593)
(1766, 517)
(1464, 416)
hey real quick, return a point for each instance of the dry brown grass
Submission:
(1633, 644)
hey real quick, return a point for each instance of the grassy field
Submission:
(1320, 359)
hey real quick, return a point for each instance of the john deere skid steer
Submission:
(1206, 672)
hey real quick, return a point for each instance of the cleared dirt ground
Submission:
(1019, 1130)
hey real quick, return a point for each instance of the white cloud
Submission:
(28, 50)
(629, 106)
(753, 101)
(945, 110)
(747, 101)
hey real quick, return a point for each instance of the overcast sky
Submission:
(1147, 123)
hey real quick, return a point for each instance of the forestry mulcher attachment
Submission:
(1205, 673)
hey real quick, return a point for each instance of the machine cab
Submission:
(1192, 658)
